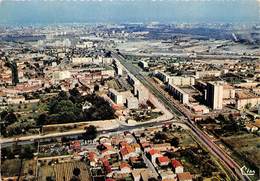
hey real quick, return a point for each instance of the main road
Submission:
(6, 142)
(226, 160)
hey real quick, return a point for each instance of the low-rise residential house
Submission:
(121, 176)
(110, 179)
(125, 167)
(169, 179)
(93, 159)
(154, 154)
(136, 175)
(109, 150)
(75, 145)
(162, 147)
(146, 146)
(185, 176)
(177, 166)
(168, 175)
(251, 127)
(148, 174)
(106, 165)
(136, 147)
(137, 162)
(163, 161)
(127, 152)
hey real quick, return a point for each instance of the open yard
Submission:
(14, 167)
(247, 146)
(195, 159)
(63, 171)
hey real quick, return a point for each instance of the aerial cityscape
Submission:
(136, 90)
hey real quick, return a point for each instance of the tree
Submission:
(3, 114)
(175, 142)
(64, 139)
(76, 171)
(96, 88)
(10, 118)
(74, 92)
(108, 54)
(74, 178)
(27, 152)
(62, 96)
(65, 106)
(7, 153)
(76, 174)
(160, 136)
(100, 110)
(47, 90)
(41, 120)
(90, 133)
(75, 95)
(50, 178)
(222, 118)
(248, 105)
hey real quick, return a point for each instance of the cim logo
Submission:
(247, 171)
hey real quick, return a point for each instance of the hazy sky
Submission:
(118, 11)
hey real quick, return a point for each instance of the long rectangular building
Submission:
(178, 93)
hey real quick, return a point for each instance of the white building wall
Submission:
(241, 103)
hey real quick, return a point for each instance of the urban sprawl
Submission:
(130, 102)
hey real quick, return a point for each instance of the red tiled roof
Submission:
(184, 176)
(91, 155)
(132, 159)
(129, 149)
(108, 169)
(124, 165)
(126, 150)
(176, 163)
(109, 147)
(105, 162)
(153, 151)
(145, 144)
(123, 151)
(163, 159)
(110, 179)
(123, 144)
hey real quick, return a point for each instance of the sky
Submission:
(121, 11)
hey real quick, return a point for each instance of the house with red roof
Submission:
(106, 165)
(75, 145)
(185, 176)
(127, 152)
(110, 179)
(163, 161)
(146, 146)
(109, 150)
(125, 167)
(154, 154)
(177, 166)
(92, 156)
